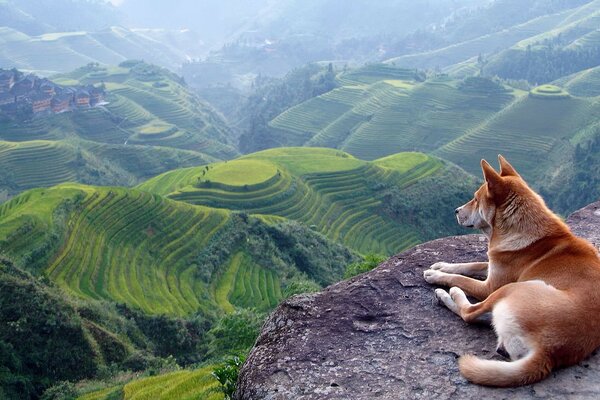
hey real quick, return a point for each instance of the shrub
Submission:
(235, 333)
(370, 261)
(227, 374)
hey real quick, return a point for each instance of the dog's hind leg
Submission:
(456, 300)
(474, 269)
(473, 287)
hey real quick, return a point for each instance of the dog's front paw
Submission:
(433, 276)
(440, 265)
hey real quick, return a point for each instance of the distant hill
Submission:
(38, 17)
(63, 51)
(151, 124)
(372, 207)
(502, 40)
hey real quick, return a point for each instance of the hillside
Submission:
(372, 207)
(151, 124)
(504, 38)
(380, 110)
(62, 51)
(158, 255)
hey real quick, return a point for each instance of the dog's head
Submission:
(480, 212)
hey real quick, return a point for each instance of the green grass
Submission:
(64, 51)
(326, 189)
(240, 172)
(179, 385)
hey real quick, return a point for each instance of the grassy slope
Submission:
(131, 139)
(137, 248)
(62, 52)
(158, 255)
(585, 83)
(329, 190)
(372, 120)
(534, 133)
(444, 117)
(580, 20)
(184, 385)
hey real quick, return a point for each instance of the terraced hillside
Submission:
(151, 124)
(537, 133)
(570, 23)
(585, 83)
(571, 46)
(184, 385)
(346, 199)
(159, 255)
(389, 115)
(64, 51)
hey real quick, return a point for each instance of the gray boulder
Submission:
(382, 335)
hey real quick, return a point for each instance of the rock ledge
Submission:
(382, 335)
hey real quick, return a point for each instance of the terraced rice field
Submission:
(389, 116)
(180, 385)
(339, 202)
(529, 133)
(585, 83)
(25, 165)
(246, 284)
(143, 131)
(505, 38)
(132, 247)
(64, 51)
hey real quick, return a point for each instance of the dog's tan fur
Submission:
(542, 284)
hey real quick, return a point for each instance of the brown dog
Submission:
(542, 285)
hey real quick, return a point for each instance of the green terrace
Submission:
(372, 120)
(328, 190)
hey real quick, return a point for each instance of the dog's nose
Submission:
(456, 211)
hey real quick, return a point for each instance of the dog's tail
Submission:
(532, 368)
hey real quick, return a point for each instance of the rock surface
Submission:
(382, 335)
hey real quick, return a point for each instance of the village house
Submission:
(82, 98)
(40, 102)
(96, 95)
(40, 95)
(61, 103)
(47, 87)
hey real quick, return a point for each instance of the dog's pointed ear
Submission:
(505, 168)
(492, 178)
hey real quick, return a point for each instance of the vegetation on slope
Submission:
(156, 128)
(47, 336)
(572, 45)
(381, 110)
(158, 255)
(367, 206)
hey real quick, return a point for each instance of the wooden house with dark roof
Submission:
(41, 102)
(61, 102)
(82, 98)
